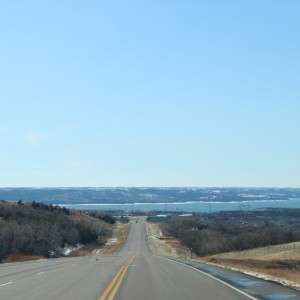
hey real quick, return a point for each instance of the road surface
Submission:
(133, 274)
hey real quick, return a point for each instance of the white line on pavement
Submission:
(4, 284)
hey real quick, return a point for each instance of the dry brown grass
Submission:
(19, 257)
(291, 275)
(77, 216)
(8, 204)
(279, 262)
(164, 246)
(277, 270)
(270, 253)
(117, 241)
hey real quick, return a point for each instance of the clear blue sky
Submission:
(150, 93)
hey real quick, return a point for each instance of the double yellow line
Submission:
(113, 287)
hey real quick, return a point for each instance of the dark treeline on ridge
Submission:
(216, 236)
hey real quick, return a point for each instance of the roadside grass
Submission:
(279, 263)
(117, 240)
(77, 216)
(281, 269)
(161, 245)
(269, 253)
(19, 257)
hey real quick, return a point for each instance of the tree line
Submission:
(39, 229)
(217, 237)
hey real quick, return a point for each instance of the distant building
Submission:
(186, 215)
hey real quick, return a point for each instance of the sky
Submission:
(149, 93)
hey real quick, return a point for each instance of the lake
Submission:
(201, 206)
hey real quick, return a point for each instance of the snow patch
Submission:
(111, 241)
(69, 249)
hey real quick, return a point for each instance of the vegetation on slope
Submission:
(279, 263)
(39, 229)
(217, 237)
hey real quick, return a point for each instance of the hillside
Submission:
(39, 230)
(280, 262)
(263, 242)
(145, 195)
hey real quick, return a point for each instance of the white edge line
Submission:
(217, 279)
(7, 283)
(206, 274)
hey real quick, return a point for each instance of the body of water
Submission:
(190, 206)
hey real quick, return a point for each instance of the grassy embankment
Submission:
(279, 263)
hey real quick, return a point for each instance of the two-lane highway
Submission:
(133, 274)
(153, 277)
(67, 278)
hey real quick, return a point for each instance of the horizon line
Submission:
(149, 187)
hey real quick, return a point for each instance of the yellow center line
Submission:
(117, 286)
(116, 282)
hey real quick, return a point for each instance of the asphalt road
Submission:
(133, 274)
